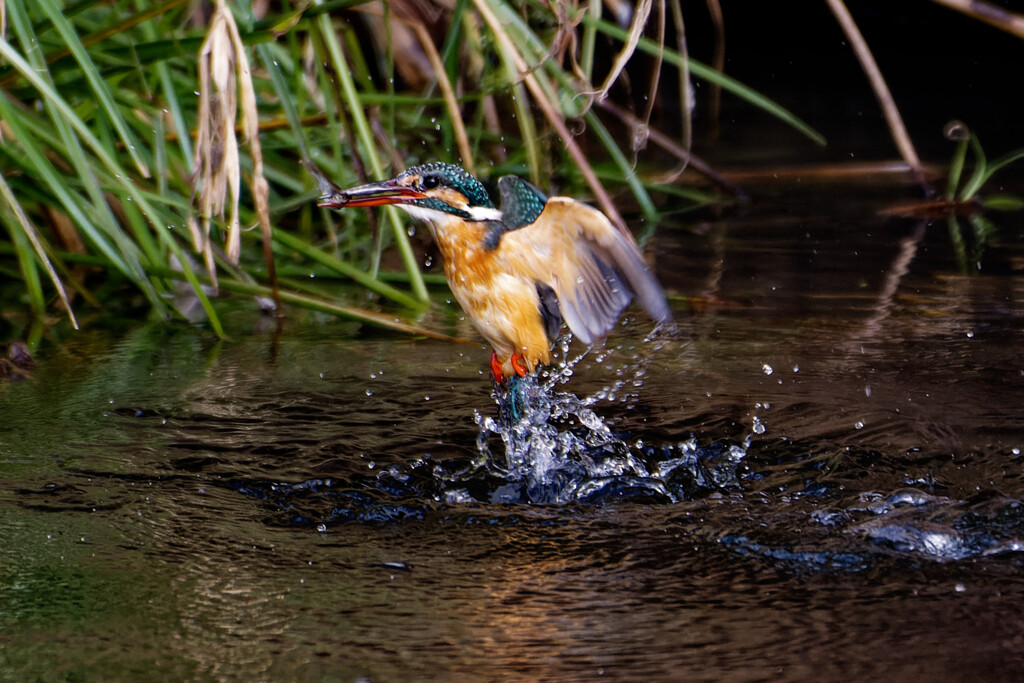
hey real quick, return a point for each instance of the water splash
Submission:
(551, 443)
(547, 445)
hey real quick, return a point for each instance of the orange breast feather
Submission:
(497, 290)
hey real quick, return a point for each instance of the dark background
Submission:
(939, 64)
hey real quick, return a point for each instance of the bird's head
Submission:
(436, 193)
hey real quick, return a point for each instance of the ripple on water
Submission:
(542, 446)
(809, 503)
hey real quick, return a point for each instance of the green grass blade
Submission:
(124, 182)
(29, 272)
(956, 168)
(65, 143)
(22, 238)
(589, 41)
(974, 183)
(996, 165)
(388, 321)
(348, 270)
(170, 94)
(36, 158)
(95, 80)
(365, 135)
(285, 98)
(627, 170)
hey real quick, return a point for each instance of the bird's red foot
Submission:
(519, 364)
(496, 370)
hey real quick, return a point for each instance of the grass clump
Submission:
(156, 147)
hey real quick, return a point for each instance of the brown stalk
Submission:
(636, 30)
(674, 148)
(991, 14)
(714, 95)
(258, 183)
(348, 133)
(685, 92)
(450, 100)
(226, 83)
(216, 175)
(554, 117)
(892, 114)
(640, 140)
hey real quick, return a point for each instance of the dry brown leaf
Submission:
(225, 84)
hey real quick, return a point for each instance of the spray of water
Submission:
(548, 445)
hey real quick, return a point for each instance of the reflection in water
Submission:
(225, 597)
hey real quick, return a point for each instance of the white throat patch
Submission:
(476, 213)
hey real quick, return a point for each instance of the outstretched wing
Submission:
(573, 249)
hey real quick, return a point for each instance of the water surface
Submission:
(827, 481)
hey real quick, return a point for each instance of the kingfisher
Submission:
(522, 270)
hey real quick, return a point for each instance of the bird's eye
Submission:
(429, 182)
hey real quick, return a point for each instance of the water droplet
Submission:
(960, 588)
(859, 424)
(322, 528)
(767, 369)
(758, 427)
(369, 393)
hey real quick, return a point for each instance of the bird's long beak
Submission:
(372, 194)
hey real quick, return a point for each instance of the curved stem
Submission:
(892, 114)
